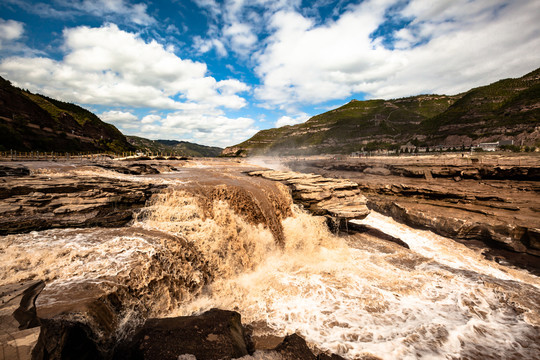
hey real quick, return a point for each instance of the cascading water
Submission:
(243, 246)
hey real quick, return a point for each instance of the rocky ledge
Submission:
(338, 199)
(31, 202)
(492, 207)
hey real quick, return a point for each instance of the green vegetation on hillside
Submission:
(179, 148)
(33, 122)
(506, 109)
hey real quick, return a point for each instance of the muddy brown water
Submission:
(218, 238)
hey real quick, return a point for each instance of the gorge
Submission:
(120, 254)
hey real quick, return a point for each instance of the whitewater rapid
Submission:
(355, 295)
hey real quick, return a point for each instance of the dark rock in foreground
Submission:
(60, 339)
(14, 171)
(216, 334)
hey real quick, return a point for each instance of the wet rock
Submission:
(13, 171)
(26, 313)
(66, 340)
(500, 210)
(377, 171)
(215, 334)
(329, 357)
(336, 198)
(40, 202)
(294, 347)
(136, 168)
(16, 341)
(363, 228)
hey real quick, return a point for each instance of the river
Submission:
(218, 238)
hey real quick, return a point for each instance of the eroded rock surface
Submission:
(337, 198)
(18, 322)
(495, 205)
(38, 202)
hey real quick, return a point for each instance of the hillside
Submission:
(33, 122)
(507, 109)
(180, 148)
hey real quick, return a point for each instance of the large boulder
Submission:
(215, 334)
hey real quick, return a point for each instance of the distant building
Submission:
(407, 148)
(488, 146)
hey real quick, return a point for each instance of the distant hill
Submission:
(507, 109)
(180, 148)
(33, 122)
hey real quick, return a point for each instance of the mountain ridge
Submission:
(180, 148)
(508, 109)
(34, 122)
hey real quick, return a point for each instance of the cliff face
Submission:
(507, 109)
(32, 122)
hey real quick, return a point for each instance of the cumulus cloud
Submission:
(213, 129)
(150, 119)
(10, 30)
(108, 66)
(122, 119)
(448, 47)
(288, 120)
(201, 126)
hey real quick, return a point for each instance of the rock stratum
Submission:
(78, 214)
(45, 201)
(340, 200)
(476, 203)
(505, 110)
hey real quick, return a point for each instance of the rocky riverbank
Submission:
(104, 317)
(495, 207)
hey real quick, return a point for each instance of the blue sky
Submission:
(216, 72)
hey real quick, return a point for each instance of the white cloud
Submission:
(237, 24)
(150, 119)
(118, 116)
(241, 37)
(119, 11)
(136, 12)
(10, 30)
(121, 119)
(108, 66)
(287, 120)
(215, 130)
(449, 47)
(210, 5)
(202, 46)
